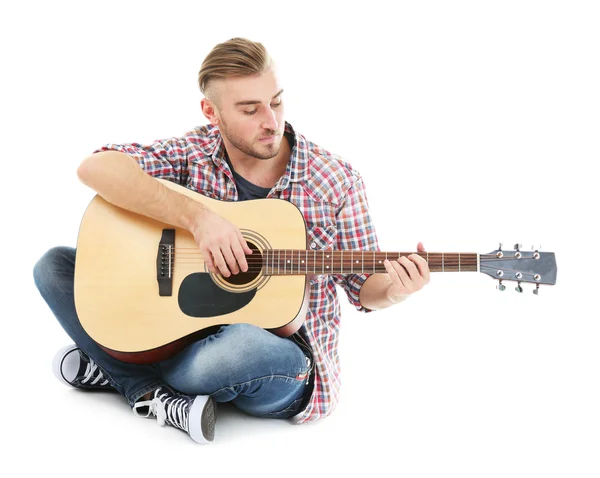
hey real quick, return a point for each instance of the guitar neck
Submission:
(298, 262)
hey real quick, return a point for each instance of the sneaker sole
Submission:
(202, 419)
(57, 364)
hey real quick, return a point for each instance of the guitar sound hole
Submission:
(254, 268)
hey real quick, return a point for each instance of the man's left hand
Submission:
(408, 274)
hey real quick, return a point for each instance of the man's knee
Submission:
(54, 260)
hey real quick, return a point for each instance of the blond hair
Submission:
(235, 57)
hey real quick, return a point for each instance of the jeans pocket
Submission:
(288, 412)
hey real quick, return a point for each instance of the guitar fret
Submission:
(442, 262)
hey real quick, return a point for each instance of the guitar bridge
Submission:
(165, 261)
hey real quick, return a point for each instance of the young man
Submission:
(246, 151)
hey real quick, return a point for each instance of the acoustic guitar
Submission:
(143, 291)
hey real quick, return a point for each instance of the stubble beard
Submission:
(267, 151)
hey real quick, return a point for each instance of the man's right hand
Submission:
(222, 245)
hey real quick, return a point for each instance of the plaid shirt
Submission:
(331, 196)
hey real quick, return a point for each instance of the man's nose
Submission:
(269, 120)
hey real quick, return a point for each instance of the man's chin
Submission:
(268, 150)
(266, 154)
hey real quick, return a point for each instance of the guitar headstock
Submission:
(519, 266)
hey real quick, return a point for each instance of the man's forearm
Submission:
(118, 178)
(373, 292)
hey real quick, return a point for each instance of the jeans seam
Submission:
(277, 376)
(134, 397)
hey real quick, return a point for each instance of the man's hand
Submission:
(408, 275)
(222, 245)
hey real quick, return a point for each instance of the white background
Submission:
(472, 123)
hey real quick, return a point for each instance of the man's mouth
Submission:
(268, 139)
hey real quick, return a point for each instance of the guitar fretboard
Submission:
(295, 262)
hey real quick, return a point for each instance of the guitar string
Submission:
(294, 256)
(192, 260)
(448, 255)
(187, 250)
(337, 251)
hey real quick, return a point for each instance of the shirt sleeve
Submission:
(164, 158)
(356, 232)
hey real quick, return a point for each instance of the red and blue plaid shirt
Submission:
(331, 196)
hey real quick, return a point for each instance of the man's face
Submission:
(250, 110)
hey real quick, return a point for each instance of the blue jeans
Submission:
(260, 373)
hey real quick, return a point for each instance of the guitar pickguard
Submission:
(199, 296)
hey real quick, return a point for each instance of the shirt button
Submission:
(313, 245)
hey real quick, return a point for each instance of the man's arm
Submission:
(373, 292)
(118, 178)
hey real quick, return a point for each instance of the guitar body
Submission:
(116, 280)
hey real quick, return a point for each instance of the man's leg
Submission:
(259, 372)
(54, 277)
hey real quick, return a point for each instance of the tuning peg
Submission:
(536, 291)
(500, 246)
(519, 288)
(535, 249)
(500, 286)
(518, 246)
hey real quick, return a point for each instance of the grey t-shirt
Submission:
(246, 189)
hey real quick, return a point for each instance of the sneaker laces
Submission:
(167, 408)
(90, 370)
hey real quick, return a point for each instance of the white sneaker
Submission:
(73, 367)
(194, 415)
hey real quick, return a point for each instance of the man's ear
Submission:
(208, 109)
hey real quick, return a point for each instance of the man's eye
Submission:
(273, 105)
